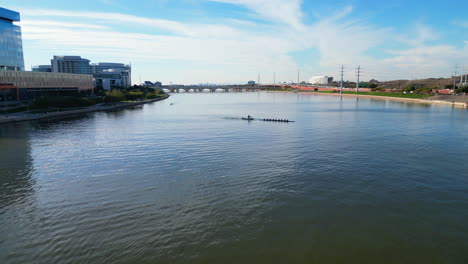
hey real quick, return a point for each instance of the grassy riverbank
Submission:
(458, 101)
(384, 94)
(398, 95)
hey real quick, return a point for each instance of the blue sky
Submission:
(232, 41)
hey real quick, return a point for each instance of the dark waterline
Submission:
(352, 181)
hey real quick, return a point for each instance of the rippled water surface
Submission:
(352, 181)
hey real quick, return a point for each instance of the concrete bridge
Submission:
(212, 89)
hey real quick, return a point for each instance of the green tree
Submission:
(114, 96)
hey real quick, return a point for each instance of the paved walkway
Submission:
(449, 98)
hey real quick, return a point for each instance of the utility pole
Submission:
(258, 81)
(461, 76)
(274, 79)
(358, 75)
(455, 78)
(466, 77)
(298, 76)
(341, 82)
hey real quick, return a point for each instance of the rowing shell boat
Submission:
(268, 120)
(278, 120)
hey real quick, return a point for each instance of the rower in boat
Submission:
(248, 118)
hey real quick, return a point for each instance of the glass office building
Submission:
(70, 64)
(11, 46)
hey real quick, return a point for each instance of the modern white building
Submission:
(323, 80)
(109, 75)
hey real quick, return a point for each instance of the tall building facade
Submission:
(11, 45)
(109, 75)
(70, 64)
(22, 85)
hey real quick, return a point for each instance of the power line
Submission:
(298, 74)
(341, 82)
(461, 75)
(466, 76)
(455, 78)
(358, 75)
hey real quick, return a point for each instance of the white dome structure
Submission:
(321, 80)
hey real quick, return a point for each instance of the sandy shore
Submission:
(20, 117)
(401, 99)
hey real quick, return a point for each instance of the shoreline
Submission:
(401, 99)
(90, 109)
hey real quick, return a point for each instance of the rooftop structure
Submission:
(10, 15)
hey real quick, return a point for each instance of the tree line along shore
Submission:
(63, 104)
(71, 100)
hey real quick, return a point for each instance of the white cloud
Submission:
(288, 12)
(48, 23)
(418, 34)
(435, 59)
(461, 23)
(219, 45)
(345, 42)
(235, 50)
(97, 17)
(169, 26)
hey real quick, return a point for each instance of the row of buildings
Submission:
(65, 74)
(105, 74)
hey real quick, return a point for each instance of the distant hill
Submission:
(435, 83)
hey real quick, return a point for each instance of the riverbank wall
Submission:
(21, 117)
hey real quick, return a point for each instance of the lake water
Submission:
(352, 181)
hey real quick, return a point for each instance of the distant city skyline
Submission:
(232, 41)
